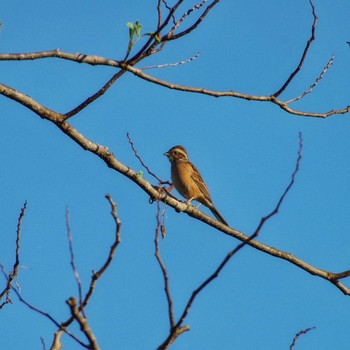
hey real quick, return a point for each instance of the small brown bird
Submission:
(188, 181)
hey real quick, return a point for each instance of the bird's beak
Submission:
(166, 154)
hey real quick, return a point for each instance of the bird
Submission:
(188, 181)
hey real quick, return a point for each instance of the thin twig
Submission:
(166, 65)
(186, 14)
(325, 69)
(170, 11)
(275, 211)
(160, 13)
(72, 260)
(95, 96)
(13, 274)
(307, 47)
(113, 248)
(304, 331)
(6, 290)
(159, 229)
(47, 315)
(96, 275)
(197, 23)
(42, 340)
(141, 161)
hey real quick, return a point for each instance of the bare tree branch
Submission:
(170, 36)
(153, 45)
(275, 211)
(95, 96)
(84, 326)
(159, 229)
(173, 336)
(325, 69)
(141, 161)
(77, 57)
(306, 50)
(72, 260)
(56, 344)
(7, 290)
(95, 275)
(13, 274)
(113, 248)
(160, 13)
(43, 343)
(304, 331)
(283, 105)
(48, 316)
(75, 309)
(166, 65)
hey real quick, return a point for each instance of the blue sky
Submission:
(246, 152)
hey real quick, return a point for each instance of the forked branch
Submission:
(306, 50)
(156, 43)
(77, 309)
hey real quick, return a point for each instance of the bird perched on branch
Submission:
(188, 181)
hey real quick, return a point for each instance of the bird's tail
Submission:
(218, 215)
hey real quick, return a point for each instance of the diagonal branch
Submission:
(75, 57)
(84, 326)
(275, 211)
(325, 69)
(159, 229)
(306, 50)
(72, 259)
(13, 274)
(303, 331)
(230, 93)
(197, 23)
(106, 156)
(98, 274)
(141, 161)
(95, 96)
(48, 316)
(166, 65)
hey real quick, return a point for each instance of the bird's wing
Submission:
(197, 178)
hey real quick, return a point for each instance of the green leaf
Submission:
(137, 28)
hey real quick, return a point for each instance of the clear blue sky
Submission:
(246, 152)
